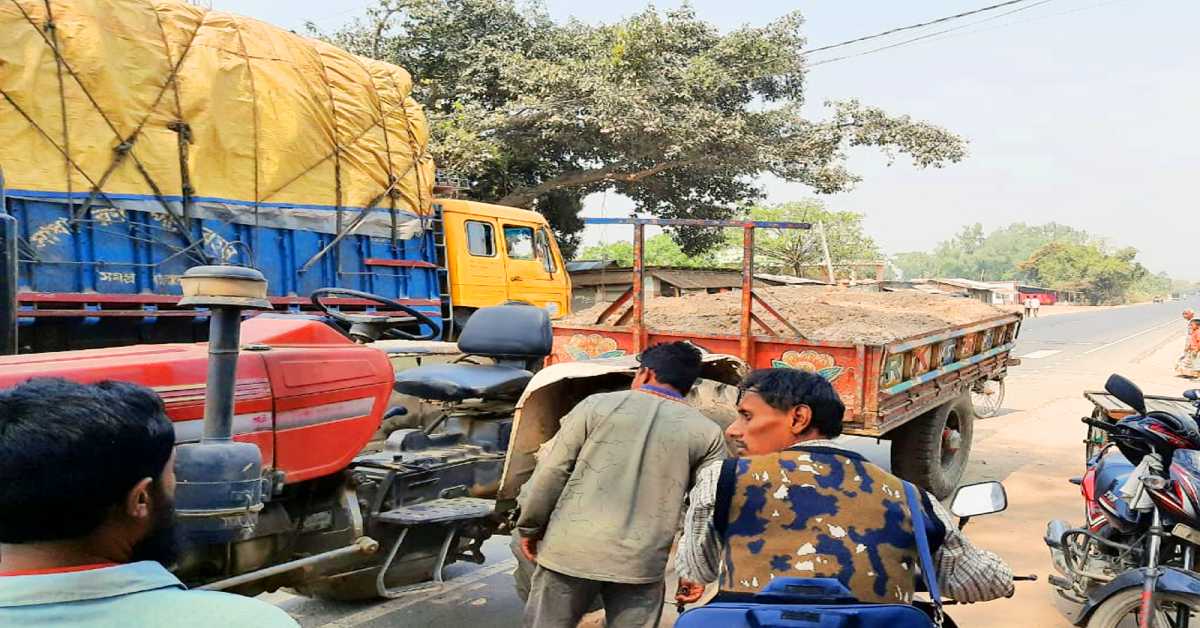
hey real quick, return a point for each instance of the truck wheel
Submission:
(931, 451)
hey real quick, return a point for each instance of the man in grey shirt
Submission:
(602, 508)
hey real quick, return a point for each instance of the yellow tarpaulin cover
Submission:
(275, 119)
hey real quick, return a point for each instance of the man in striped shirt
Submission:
(786, 410)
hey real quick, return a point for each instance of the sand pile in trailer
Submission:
(819, 312)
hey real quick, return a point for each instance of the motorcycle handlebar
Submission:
(1098, 424)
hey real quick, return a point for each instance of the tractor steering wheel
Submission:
(366, 327)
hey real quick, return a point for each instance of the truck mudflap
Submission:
(556, 389)
(1170, 580)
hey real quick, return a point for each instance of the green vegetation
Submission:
(661, 250)
(661, 107)
(791, 250)
(788, 251)
(972, 255)
(1051, 255)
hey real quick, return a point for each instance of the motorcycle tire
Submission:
(920, 452)
(1119, 610)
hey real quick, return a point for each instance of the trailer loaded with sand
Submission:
(913, 368)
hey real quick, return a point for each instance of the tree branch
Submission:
(524, 197)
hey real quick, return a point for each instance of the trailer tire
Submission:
(932, 450)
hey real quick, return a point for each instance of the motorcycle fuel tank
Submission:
(1111, 470)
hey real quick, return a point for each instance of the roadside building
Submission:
(1045, 296)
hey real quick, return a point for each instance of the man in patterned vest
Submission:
(795, 503)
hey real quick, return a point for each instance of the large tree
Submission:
(1101, 276)
(661, 107)
(792, 250)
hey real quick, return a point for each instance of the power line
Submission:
(929, 35)
(935, 36)
(1038, 18)
(916, 26)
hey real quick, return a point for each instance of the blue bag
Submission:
(823, 602)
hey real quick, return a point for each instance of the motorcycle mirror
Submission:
(1127, 392)
(982, 498)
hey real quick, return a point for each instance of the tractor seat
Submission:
(457, 382)
(517, 337)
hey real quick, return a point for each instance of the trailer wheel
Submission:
(932, 450)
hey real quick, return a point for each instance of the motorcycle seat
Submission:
(459, 382)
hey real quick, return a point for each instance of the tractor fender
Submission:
(1170, 580)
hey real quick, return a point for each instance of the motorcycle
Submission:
(1132, 561)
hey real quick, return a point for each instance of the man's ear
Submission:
(139, 501)
(801, 419)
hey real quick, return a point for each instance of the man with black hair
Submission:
(601, 509)
(796, 503)
(87, 532)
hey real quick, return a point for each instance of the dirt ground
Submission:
(1034, 452)
(819, 313)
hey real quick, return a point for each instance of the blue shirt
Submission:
(142, 594)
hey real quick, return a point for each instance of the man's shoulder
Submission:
(228, 609)
(611, 395)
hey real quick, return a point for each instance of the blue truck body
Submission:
(110, 276)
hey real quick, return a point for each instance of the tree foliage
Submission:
(661, 250)
(1101, 276)
(661, 107)
(971, 254)
(790, 250)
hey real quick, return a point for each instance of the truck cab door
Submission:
(534, 273)
(477, 266)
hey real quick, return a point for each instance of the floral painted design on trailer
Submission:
(592, 347)
(811, 361)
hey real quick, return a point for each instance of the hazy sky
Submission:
(1083, 112)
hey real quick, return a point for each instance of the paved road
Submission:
(1061, 340)
(1075, 349)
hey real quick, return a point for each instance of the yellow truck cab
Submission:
(497, 254)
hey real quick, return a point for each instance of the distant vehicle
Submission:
(1158, 299)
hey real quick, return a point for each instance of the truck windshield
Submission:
(518, 242)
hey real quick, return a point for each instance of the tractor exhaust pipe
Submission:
(219, 484)
(224, 336)
(225, 291)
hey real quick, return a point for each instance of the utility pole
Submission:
(825, 248)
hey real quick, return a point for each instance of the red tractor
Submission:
(281, 478)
